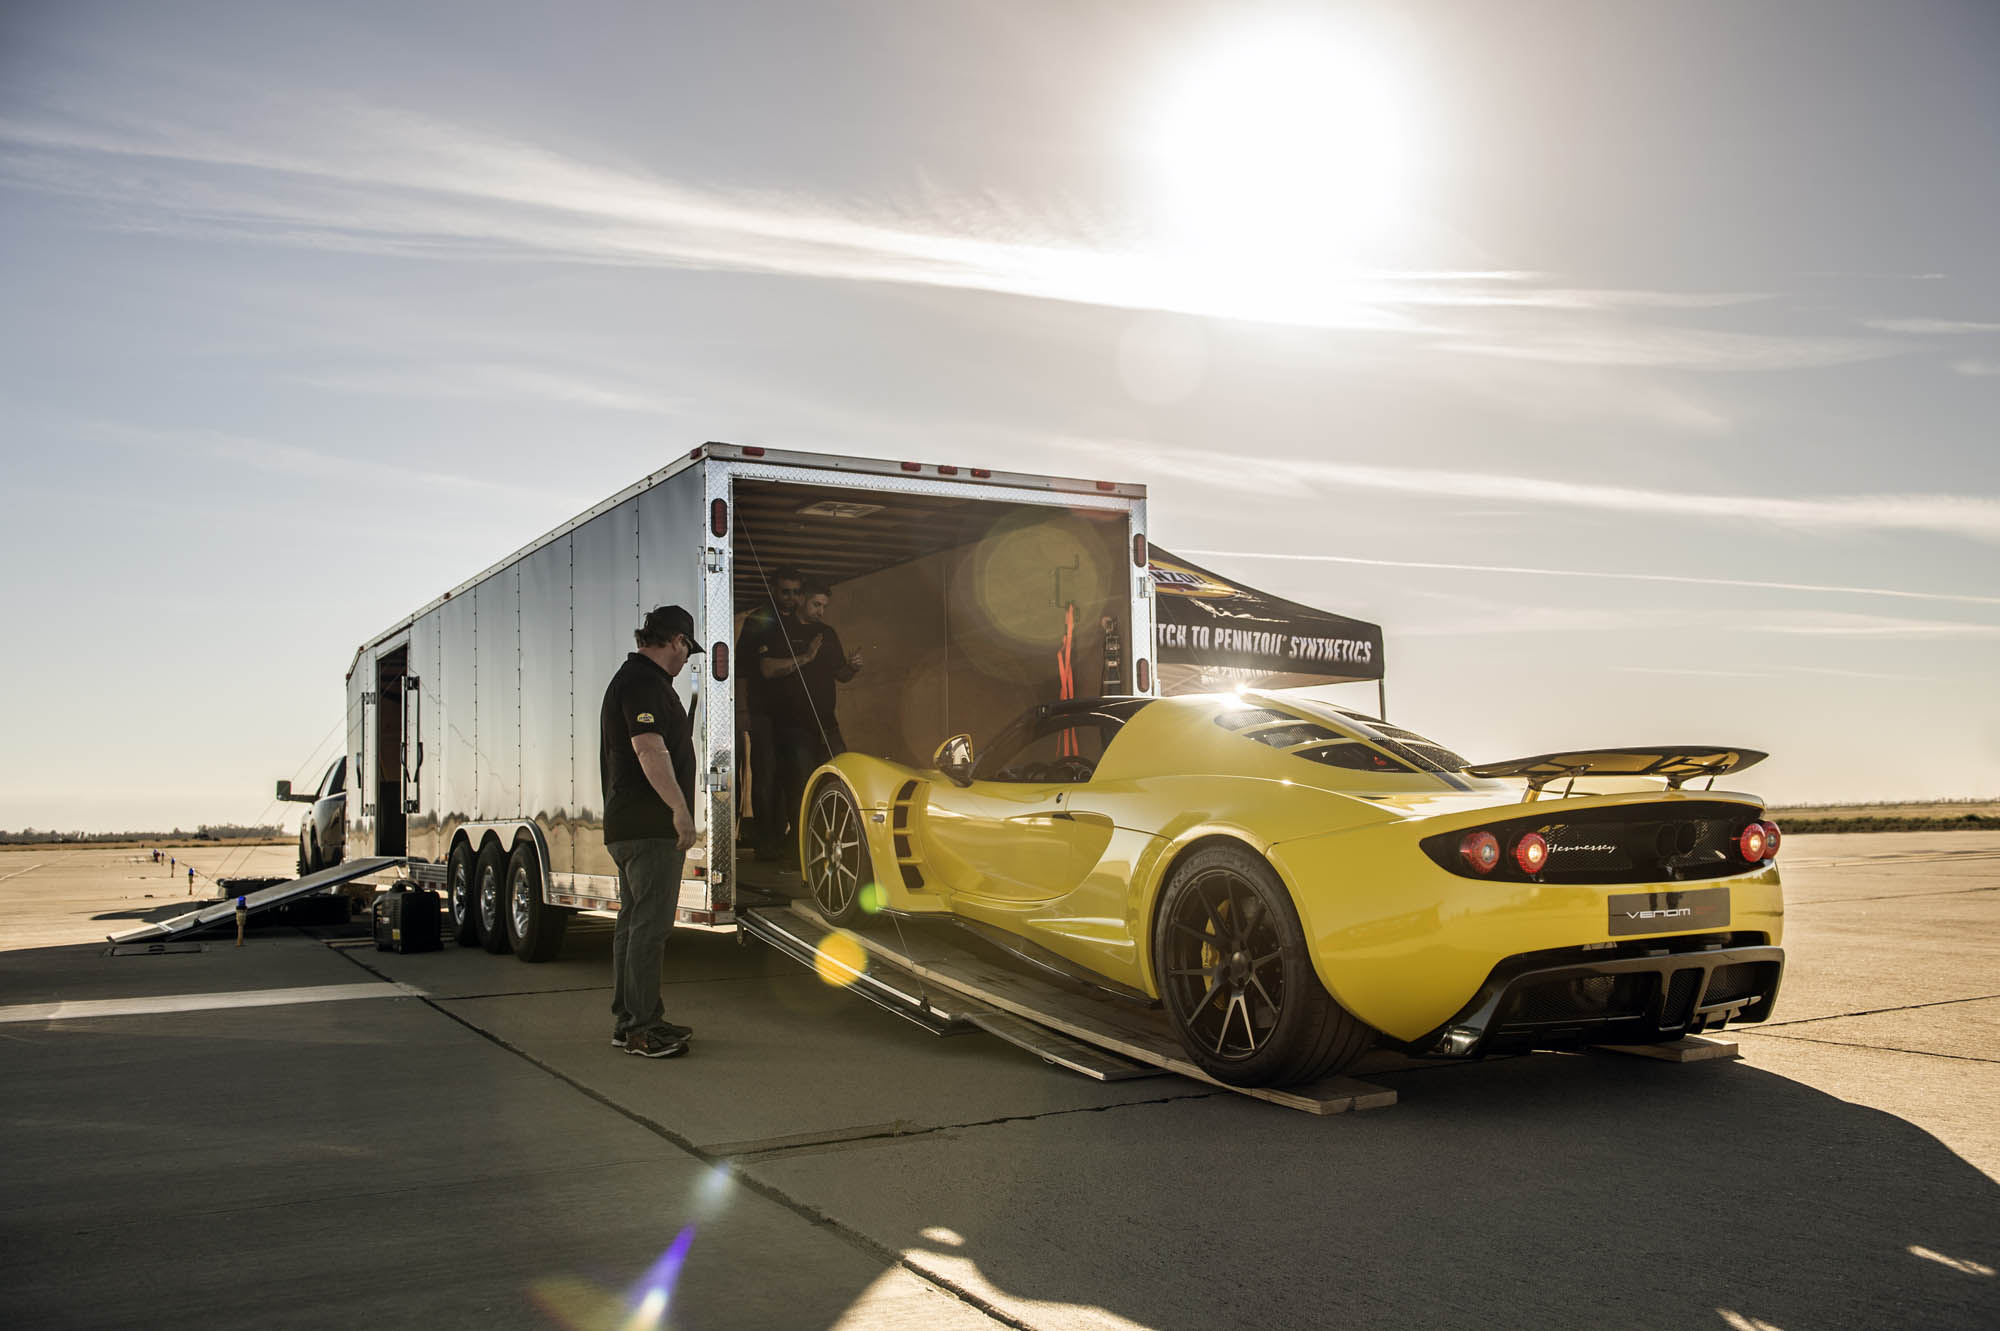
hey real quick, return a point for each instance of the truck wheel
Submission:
(1237, 976)
(836, 855)
(305, 864)
(489, 896)
(534, 927)
(317, 860)
(458, 894)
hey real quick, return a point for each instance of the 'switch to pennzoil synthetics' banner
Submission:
(1215, 632)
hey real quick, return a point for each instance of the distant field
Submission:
(1935, 816)
(143, 843)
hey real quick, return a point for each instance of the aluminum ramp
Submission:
(223, 912)
(1029, 1007)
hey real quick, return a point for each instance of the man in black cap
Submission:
(646, 762)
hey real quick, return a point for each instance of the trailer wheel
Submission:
(534, 927)
(836, 855)
(489, 896)
(458, 893)
(1238, 979)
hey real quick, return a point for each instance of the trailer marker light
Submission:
(753, 451)
(1139, 550)
(718, 517)
(1752, 843)
(913, 466)
(1107, 485)
(1144, 674)
(982, 473)
(718, 661)
(947, 471)
(1481, 850)
(1531, 852)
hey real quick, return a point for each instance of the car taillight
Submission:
(1531, 852)
(1481, 850)
(1753, 843)
(1771, 839)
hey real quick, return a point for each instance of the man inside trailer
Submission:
(646, 762)
(802, 690)
(766, 631)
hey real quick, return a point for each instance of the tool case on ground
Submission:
(407, 922)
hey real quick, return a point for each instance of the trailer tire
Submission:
(458, 895)
(838, 870)
(489, 896)
(534, 928)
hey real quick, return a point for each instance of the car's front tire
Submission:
(489, 896)
(1236, 974)
(838, 870)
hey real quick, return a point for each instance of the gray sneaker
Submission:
(655, 1044)
(619, 1039)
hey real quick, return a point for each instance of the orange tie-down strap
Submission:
(1066, 674)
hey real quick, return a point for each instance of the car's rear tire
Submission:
(1237, 977)
(458, 896)
(489, 897)
(838, 871)
(534, 928)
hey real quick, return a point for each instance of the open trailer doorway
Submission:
(965, 612)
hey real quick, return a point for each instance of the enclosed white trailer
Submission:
(473, 723)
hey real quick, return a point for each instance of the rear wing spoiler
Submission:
(1678, 764)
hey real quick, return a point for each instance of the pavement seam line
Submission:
(1878, 1048)
(1894, 896)
(811, 1215)
(776, 1152)
(1878, 1011)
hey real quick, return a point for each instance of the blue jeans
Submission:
(649, 889)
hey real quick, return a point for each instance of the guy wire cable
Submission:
(743, 529)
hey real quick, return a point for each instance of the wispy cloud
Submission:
(295, 460)
(1879, 626)
(1927, 326)
(1977, 369)
(1703, 674)
(1954, 515)
(1517, 569)
(489, 382)
(361, 179)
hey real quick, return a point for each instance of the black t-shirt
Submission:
(641, 700)
(762, 636)
(805, 697)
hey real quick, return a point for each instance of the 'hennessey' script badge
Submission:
(1668, 912)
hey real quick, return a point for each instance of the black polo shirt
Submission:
(641, 700)
(763, 635)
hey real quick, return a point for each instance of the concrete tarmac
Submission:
(448, 1139)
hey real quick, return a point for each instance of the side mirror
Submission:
(285, 795)
(954, 759)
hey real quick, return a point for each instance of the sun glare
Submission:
(1282, 152)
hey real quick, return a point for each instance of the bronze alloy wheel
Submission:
(1238, 979)
(836, 855)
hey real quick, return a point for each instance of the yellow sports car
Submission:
(1296, 882)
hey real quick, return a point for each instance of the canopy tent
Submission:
(1216, 633)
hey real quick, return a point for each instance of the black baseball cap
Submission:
(664, 621)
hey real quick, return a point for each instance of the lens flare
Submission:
(873, 897)
(654, 1291)
(839, 960)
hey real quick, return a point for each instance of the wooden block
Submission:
(1687, 1049)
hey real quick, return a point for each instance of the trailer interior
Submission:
(965, 610)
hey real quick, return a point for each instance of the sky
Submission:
(1635, 365)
